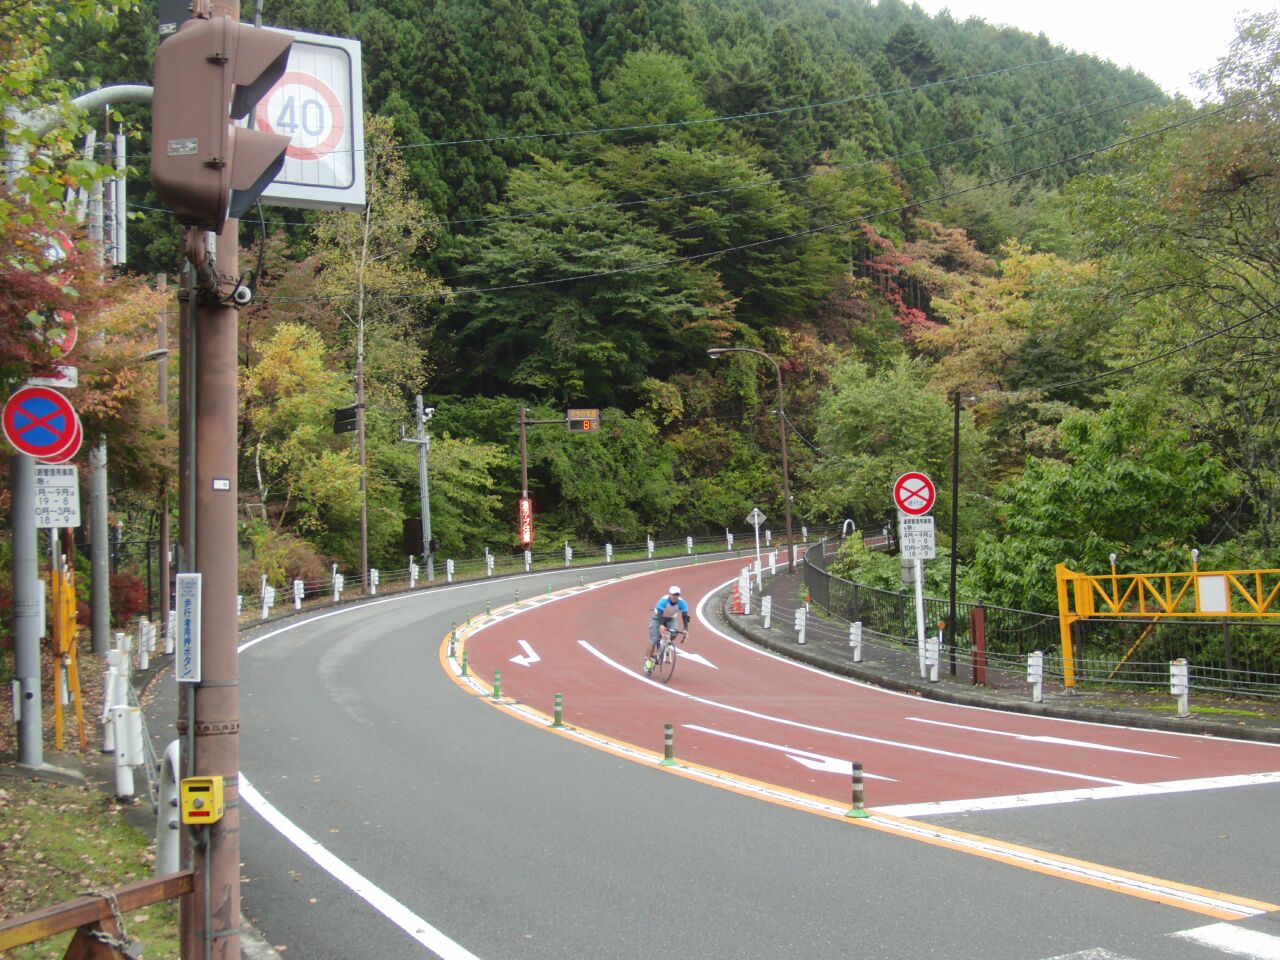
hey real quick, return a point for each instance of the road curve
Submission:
(409, 817)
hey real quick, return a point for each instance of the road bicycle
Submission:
(661, 664)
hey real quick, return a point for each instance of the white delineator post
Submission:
(800, 624)
(932, 654)
(744, 589)
(1035, 675)
(299, 591)
(1180, 685)
(855, 640)
(448, 571)
(766, 610)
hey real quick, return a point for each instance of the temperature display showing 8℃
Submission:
(583, 418)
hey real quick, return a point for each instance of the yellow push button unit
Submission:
(202, 800)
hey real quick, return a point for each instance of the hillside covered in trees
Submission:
(570, 202)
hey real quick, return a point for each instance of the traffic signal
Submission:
(213, 70)
(584, 419)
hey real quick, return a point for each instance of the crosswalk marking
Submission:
(1222, 938)
(1237, 941)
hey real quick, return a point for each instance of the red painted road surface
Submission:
(770, 720)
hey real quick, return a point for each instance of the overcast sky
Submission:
(1167, 40)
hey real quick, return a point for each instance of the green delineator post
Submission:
(497, 684)
(668, 746)
(559, 721)
(857, 811)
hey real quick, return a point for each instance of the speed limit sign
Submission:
(317, 104)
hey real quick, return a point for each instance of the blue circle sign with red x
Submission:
(40, 422)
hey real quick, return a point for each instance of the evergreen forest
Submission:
(945, 233)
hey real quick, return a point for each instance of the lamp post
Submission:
(782, 433)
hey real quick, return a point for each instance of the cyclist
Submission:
(664, 614)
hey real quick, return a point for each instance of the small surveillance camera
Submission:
(242, 296)
(428, 412)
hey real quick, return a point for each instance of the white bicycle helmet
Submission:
(674, 589)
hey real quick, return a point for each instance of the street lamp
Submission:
(782, 433)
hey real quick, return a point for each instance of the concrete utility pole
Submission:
(424, 482)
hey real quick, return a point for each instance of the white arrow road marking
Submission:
(698, 658)
(528, 657)
(1061, 741)
(814, 761)
(844, 733)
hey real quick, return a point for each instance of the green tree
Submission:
(1129, 485)
(569, 298)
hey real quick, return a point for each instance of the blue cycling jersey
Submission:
(663, 607)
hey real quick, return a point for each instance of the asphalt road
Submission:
(395, 811)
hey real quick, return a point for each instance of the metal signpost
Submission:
(755, 518)
(914, 495)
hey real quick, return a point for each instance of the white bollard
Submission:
(448, 571)
(375, 578)
(170, 635)
(111, 687)
(932, 654)
(608, 553)
(1180, 685)
(144, 651)
(766, 610)
(266, 602)
(649, 547)
(800, 624)
(488, 562)
(855, 640)
(1035, 675)
(758, 572)
(744, 590)
(688, 545)
(568, 554)
(413, 575)
(239, 604)
(339, 581)
(168, 821)
(768, 538)
(528, 560)
(728, 540)
(299, 591)
(773, 563)
(127, 724)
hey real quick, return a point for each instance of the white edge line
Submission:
(745, 644)
(941, 807)
(387, 905)
(863, 738)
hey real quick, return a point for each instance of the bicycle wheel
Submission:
(666, 665)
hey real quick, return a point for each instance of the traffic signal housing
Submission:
(204, 168)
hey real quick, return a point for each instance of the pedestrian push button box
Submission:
(202, 800)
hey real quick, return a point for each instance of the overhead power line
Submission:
(675, 261)
(755, 115)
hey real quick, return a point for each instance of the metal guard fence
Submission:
(1233, 658)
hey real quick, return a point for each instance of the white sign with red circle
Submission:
(317, 102)
(914, 494)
